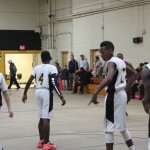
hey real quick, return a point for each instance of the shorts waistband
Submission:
(42, 88)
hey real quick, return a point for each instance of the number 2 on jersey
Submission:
(41, 79)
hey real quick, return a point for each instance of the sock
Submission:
(132, 147)
(148, 143)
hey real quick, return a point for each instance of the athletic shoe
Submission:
(18, 89)
(40, 144)
(49, 146)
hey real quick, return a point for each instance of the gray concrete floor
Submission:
(75, 126)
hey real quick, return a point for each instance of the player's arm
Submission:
(132, 74)
(110, 74)
(24, 98)
(53, 82)
(146, 80)
(6, 96)
(7, 99)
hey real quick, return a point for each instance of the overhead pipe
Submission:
(83, 14)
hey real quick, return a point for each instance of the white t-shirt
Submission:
(120, 81)
(41, 74)
(148, 66)
(3, 85)
(84, 64)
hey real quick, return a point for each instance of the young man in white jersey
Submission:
(146, 100)
(116, 98)
(3, 90)
(46, 80)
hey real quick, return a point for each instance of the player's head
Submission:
(106, 50)
(120, 55)
(45, 56)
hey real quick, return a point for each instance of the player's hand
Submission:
(24, 98)
(94, 99)
(63, 101)
(10, 112)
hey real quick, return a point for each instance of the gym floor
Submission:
(75, 126)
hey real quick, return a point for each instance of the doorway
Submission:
(93, 53)
(24, 64)
(64, 55)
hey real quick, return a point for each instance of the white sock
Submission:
(148, 143)
(132, 147)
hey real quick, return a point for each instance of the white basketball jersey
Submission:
(148, 66)
(41, 74)
(119, 80)
(3, 85)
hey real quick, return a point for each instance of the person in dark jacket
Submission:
(72, 67)
(13, 71)
(65, 78)
(84, 78)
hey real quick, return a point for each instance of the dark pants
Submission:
(134, 89)
(81, 84)
(13, 80)
(142, 91)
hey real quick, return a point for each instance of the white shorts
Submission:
(115, 111)
(44, 103)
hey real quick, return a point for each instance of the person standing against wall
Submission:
(72, 67)
(13, 71)
(83, 62)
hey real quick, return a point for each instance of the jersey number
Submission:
(41, 79)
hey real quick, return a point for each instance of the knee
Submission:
(126, 135)
(109, 137)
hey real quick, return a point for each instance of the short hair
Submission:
(107, 44)
(45, 56)
(96, 57)
(120, 54)
(57, 63)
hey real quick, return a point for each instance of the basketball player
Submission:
(116, 98)
(146, 100)
(3, 89)
(46, 80)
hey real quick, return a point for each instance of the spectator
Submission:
(13, 71)
(72, 67)
(84, 78)
(96, 65)
(83, 62)
(65, 78)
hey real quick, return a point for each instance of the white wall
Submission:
(120, 27)
(19, 14)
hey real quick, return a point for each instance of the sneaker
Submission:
(18, 89)
(40, 144)
(49, 146)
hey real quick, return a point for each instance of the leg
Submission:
(11, 82)
(70, 81)
(142, 91)
(75, 87)
(128, 139)
(46, 130)
(81, 87)
(109, 140)
(15, 82)
(40, 127)
(134, 89)
(149, 134)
